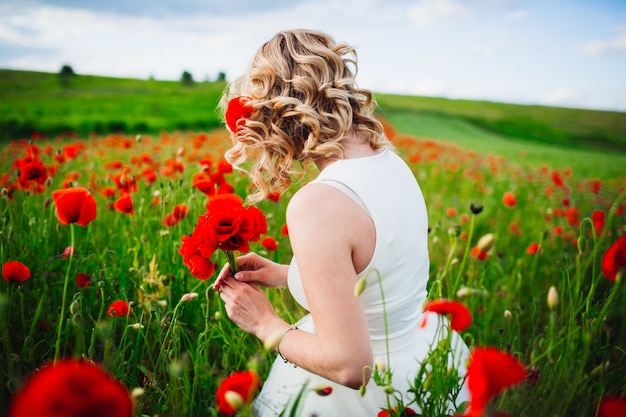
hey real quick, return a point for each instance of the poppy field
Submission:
(95, 271)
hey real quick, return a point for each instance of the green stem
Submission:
(57, 348)
(467, 250)
(232, 261)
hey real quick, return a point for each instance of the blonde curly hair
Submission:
(303, 101)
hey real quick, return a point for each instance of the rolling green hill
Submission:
(51, 104)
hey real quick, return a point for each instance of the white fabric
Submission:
(386, 188)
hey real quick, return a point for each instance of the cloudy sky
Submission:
(556, 52)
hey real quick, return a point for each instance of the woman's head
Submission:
(303, 101)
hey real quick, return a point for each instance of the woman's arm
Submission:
(329, 235)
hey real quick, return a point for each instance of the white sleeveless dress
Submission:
(386, 189)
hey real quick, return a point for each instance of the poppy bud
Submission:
(485, 242)
(553, 298)
(360, 285)
(189, 296)
(137, 392)
(323, 390)
(454, 231)
(388, 389)
(74, 307)
(379, 364)
(476, 208)
(508, 315)
(362, 390)
(233, 399)
(273, 340)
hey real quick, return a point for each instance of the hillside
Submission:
(48, 103)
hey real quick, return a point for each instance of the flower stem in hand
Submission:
(232, 261)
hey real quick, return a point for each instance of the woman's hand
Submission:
(254, 269)
(249, 308)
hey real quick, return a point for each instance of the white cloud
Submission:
(560, 97)
(616, 44)
(518, 14)
(428, 13)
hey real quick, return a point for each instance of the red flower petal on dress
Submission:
(237, 112)
(15, 271)
(489, 372)
(244, 383)
(74, 205)
(72, 388)
(460, 316)
(118, 308)
(614, 259)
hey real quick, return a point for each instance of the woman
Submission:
(364, 215)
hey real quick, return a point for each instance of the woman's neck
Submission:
(354, 145)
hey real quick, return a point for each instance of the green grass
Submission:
(588, 162)
(553, 125)
(33, 101)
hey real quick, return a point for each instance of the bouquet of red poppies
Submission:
(227, 225)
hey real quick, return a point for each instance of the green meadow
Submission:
(547, 186)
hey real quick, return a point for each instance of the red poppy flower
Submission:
(460, 316)
(273, 196)
(124, 204)
(236, 390)
(15, 271)
(612, 406)
(74, 205)
(614, 259)
(532, 249)
(477, 253)
(180, 211)
(170, 220)
(237, 112)
(269, 243)
(68, 251)
(234, 225)
(118, 308)
(226, 225)
(72, 388)
(598, 218)
(32, 171)
(509, 200)
(407, 412)
(83, 280)
(489, 372)
(224, 167)
(199, 265)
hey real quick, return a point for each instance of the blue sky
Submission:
(553, 52)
